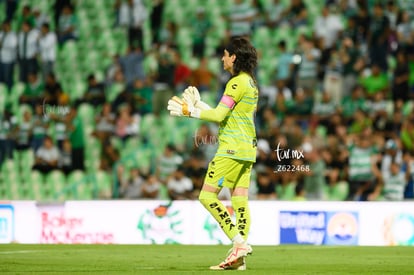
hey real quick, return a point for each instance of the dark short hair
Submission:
(27, 22)
(90, 77)
(180, 168)
(171, 146)
(46, 25)
(378, 5)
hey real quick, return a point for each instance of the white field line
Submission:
(19, 251)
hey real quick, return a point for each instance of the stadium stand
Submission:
(137, 136)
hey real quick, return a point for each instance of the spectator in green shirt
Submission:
(201, 26)
(302, 105)
(407, 134)
(142, 95)
(375, 82)
(353, 102)
(34, 90)
(360, 122)
(76, 137)
(26, 16)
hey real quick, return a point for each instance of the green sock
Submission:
(241, 207)
(216, 208)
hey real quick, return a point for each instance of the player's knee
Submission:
(202, 198)
(205, 197)
(240, 192)
(236, 199)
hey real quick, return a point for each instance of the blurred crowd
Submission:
(340, 100)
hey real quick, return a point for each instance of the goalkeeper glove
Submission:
(191, 94)
(179, 107)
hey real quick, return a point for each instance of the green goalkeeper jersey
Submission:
(237, 133)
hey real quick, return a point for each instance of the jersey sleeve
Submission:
(231, 96)
(234, 89)
(215, 115)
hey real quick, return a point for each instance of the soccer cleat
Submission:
(238, 251)
(239, 264)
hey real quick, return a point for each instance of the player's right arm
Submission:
(219, 113)
(232, 94)
(189, 105)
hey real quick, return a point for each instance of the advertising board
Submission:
(187, 222)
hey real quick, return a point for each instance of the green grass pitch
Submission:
(188, 259)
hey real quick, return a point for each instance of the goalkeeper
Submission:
(236, 153)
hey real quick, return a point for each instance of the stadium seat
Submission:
(37, 191)
(14, 95)
(90, 62)
(93, 150)
(209, 97)
(104, 37)
(37, 185)
(92, 164)
(77, 90)
(3, 189)
(25, 191)
(150, 127)
(113, 91)
(131, 144)
(55, 182)
(140, 157)
(87, 113)
(262, 37)
(9, 166)
(25, 164)
(407, 108)
(12, 182)
(100, 76)
(117, 143)
(76, 177)
(83, 191)
(103, 185)
(120, 37)
(16, 193)
(184, 40)
(150, 63)
(27, 159)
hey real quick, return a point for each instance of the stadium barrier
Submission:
(187, 222)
